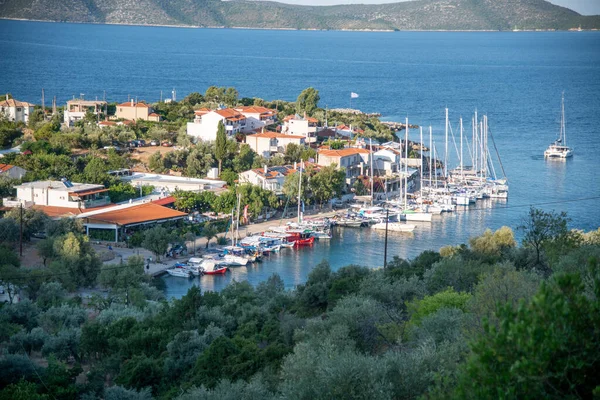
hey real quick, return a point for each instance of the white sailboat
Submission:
(559, 149)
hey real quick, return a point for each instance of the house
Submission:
(63, 194)
(76, 110)
(267, 143)
(133, 111)
(206, 122)
(355, 161)
(304, 126)
(348, 131)
(257, 117)
(103, 124)
(16, 111)
(154, 117)
(387, 161)
(268, 178)
(12, 171)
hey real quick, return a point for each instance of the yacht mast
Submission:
(446, 148)
(563, 126)
(406, 164)
(371, 157)
(300, 192)
(421, 177)
(430, 158)
(462, 175)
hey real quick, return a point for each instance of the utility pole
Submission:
(387, 217)
(21, 230)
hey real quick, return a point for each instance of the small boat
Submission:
(320, 235)
(394, 227)
(180, 272)
(287, 245)
(212, 268)
(305, 242)
(559, 149)
(350, 223)
(411, 215)
(235, 261)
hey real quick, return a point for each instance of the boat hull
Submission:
(394, 227)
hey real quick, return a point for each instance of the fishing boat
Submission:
(213, 268)
(321, 235)
(393, 227)
(559, 149)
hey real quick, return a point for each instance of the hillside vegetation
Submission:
(412, 15)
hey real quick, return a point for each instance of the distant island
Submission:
(453, 15)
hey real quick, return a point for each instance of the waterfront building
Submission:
(76, 110)
(206, 122)
(165, 184)
(16, 111)
(354, 160)
(268, 143)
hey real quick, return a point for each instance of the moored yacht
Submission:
(559, 149)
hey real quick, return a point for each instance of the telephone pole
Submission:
(21, 230)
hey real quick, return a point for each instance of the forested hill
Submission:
(412, 15)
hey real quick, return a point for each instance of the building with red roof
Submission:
(268, 143)
(14, 110)
(133, 111)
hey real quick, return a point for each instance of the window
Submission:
(18, 109)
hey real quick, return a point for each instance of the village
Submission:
(211, 164)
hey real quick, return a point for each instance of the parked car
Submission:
(167, 144)
(154, 143)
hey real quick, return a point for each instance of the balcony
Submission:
(97, 202)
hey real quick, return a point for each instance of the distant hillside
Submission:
(413, 15)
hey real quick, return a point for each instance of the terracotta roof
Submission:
(5, 167)
(255, 110)
(165, 201)
(107, 123)
(202, 111)
(230, 114)
(140, 104)
(87, 192)
(55, 212)
(153, 115)
(274, 135)
(15, 103)
(298, 118)
(138, 214)
(343, 152)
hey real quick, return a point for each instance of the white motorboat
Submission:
(180, 272)
(320, 235)
(410, 215)
(234, 261)
(559, 149)
(394, 227)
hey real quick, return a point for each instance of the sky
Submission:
(585, 7)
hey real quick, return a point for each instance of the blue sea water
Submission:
(515, 78)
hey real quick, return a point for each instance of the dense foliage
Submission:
(479, 321)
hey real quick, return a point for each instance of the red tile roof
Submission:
(15, 103)
(230, 114)
(147, 212)
(255, 110)
(343, 152)
(107, 123)
(55, 212)
(5, 167)
(140, 104)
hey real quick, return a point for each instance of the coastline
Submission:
(297, 29)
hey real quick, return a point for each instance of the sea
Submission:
(515, 78)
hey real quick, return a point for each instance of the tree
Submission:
(230, 96)
(546, 348)
(221, 144)
(244, 159)
(327, 183)
(307, 101)
(8, 133)
(359, 187)
(33, 220)
(293, 152)
(75, 255)
(214, 94)
(290, 187)
(493, 244)
(9, 231)
(431, 304)
(209, 232)
(157, 240)
(543, 230)
(193, 98)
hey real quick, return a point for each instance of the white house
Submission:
(257, 117)
(304, 126)
(12, 171)
(354, 160)
(267, 143)
(77, 108)
(17, 111)
(269, 178)
(206, 122)
(62, 194)
(387, 161)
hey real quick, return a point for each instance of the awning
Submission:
(87, 192)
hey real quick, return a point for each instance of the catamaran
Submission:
(559, 149)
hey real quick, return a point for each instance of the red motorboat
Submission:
(214, 269)
(305, 242)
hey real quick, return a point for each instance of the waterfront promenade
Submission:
(158, 268)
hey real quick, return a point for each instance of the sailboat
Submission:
(559, 148)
